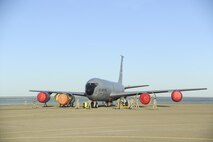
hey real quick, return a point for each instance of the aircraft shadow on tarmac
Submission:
(101, 106)
(151, 108)
(163, 106)
(113, 106)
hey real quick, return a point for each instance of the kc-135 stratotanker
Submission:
(97, 89)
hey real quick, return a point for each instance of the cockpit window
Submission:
(90, 87)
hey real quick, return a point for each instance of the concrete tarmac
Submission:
(169, 123)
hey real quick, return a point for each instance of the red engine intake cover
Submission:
(176, 96)
(43, 97)
(145, 98)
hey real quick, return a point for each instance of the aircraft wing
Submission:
(68, 92)
(133, 93)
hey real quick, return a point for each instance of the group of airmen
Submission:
(132, 103)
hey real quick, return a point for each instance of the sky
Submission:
(61, 44)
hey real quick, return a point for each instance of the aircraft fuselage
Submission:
(99, 90)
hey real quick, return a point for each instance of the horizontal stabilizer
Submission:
(129, 87)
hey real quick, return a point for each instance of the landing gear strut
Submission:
(108, 103)
(94, 104)
(45, 104)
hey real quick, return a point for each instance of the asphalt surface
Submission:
(169, 123)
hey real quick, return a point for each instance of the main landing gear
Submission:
(94, 104)
(108, 103)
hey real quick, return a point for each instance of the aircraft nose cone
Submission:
(90, 87)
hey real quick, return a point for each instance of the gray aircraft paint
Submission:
(104, 89)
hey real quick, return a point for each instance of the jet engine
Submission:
(43, 97)
(145, 98)
(65, 99)
(176, 96)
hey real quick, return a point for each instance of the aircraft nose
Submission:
(90, 87)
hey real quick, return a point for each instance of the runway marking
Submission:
(116, 137)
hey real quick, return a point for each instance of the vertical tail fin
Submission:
(120, 80)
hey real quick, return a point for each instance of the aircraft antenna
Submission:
(120, 80)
